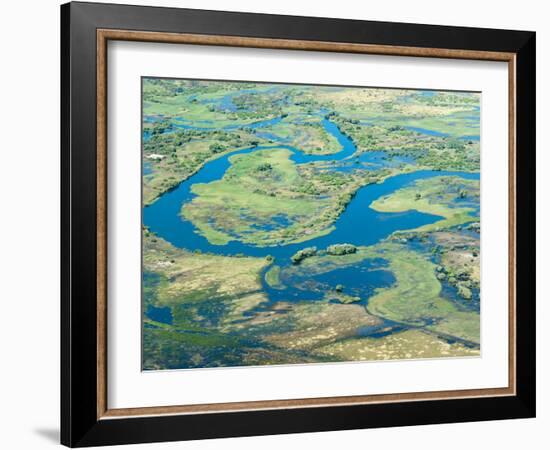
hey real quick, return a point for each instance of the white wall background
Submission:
(29, 228)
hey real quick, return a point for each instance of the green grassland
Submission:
(258, 190)
(180, 98)
(416, 298)
(438, 196)
(429, 152)
(452, 125)
(309, 136)
(454, 114)
(187, 278)
(305, 326)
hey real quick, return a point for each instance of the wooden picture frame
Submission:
(86, 418)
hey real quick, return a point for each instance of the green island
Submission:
(292, 224)
(442, 196)
(265, 188)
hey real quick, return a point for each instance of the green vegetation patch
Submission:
(325, 261)
(452, 114)
(272, 277)
(459, 259)
(436, 152)
(315, 324)
(309, 136)
(300, 255)
(200, 281)
(415, 298)
(338, 295)
(453, 198)
(198, 103)
(263, 200)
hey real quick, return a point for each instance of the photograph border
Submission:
(86, 29)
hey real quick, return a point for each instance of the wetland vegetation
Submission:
(291, 224)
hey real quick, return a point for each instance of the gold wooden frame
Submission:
(103, 36)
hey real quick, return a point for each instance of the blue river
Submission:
(358, 224)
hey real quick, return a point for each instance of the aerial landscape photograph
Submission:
(297, 224)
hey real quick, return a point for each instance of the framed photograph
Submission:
(277, 224)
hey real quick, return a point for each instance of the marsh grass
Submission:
(438, 196)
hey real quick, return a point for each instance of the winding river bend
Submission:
(358, 224)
